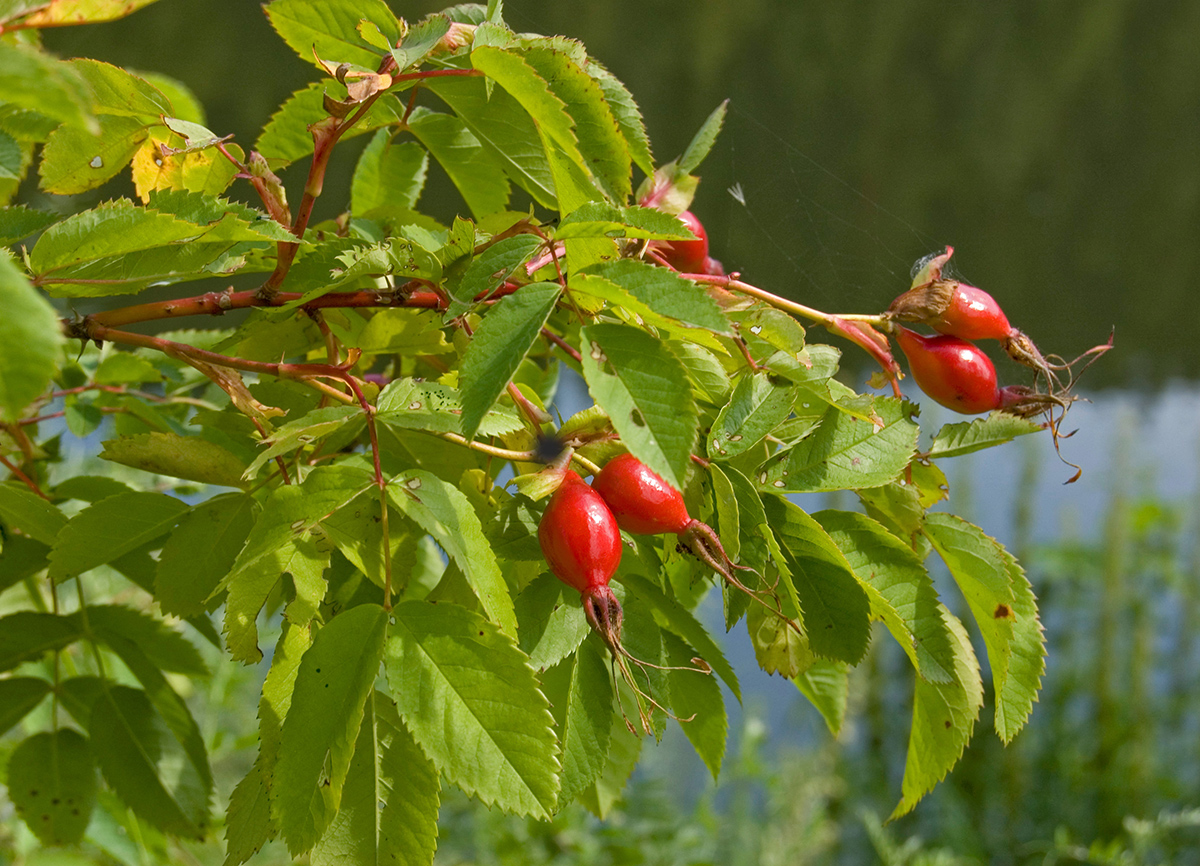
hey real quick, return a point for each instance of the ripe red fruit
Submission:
(641, 501)
(689, 257)
(579, 535)
(952, 371)
(955, 309)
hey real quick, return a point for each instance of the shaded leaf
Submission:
(111, 528)
(52, 784)
(201, 551)
(187, 457)
(18, 696)
(581, 698)
(826, 685)
(696, 700)
(30, 340)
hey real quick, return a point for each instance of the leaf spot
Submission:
(762, 478)
(96, 162)
(413, 484)
(298, 526)
(1003, 611)
(756, 329)
(778, 483)
(414, 405)
(736, 437)
(598, 353)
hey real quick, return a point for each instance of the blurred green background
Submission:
(1057, 147)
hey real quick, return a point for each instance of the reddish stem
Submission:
(25, 479)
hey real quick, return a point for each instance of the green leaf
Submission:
(758, 405)
(899, 588)
(22, 509)
(30, 340)
(835, 607)
(248, 819)
(954, 440)
(675, 618)
(599, 137)
(420, 40)
(389, 771)
(500, 125)
(278, 686)
(702, 141)
(111, 528)
(444, 512)
(624, 749)
(404, 332)
(162, 645)
(628, 116)
(581, 698)
(19, 222)
(498, 347)
(200, 551)
(52, 784)
(141, 762)
(409, 404)
(644, 389)
(31, 79)
(666, 293)
(238, 222)
(119, 248)
(26, 635)
(1005, 610)
(599, 219)
(308, 429)
(21, 558)
(187, 457)
(943, 718)
(287, 538)
(696, 700)
(846, 452)
(335, 678)
(551, 626)
(18, 696)
(58, 12)
(388, 173)
(826, 684)
(474, 170)
(286, 138)
(328, 29)
(75, 160)
(472, 702)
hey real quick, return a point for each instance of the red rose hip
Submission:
(690, 257)
(579, 535)
(641, 501)
(952, 371)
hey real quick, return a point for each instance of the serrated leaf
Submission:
(30, 340)
(679, 620)
(335, 678)
(943, 718)
(826, 685)
(954, 440)
(26, 635)
(624, 749)
(21, 558)
(286, 138)
(58, 12)
(444, 512)
(22, 509)
(758, 405)
(248, 818)
(18, 696)
(494, 265)
(142, 763)
(665, 293)
(978, 566)
(474, 170)
(111, 528)
(178, 456)
(702, 141)
(328, 29)
(644, 389)
(404, 332)
(18, 222)
(1005, 610)
(240, 222)
(846, 452)
(389, 771)
(75, 160)
(201, 551)
(388, 173)
(498, 347)
(164, 647)
(52, 784)
(581, 698)
(900, 590)
(600, 141)
(409, 404)
(696, 700)
(472, 702)
(287, 538)
(835, 607)
(500, 125)
(628, 116)
(551, 626)
(306, 430)
(420, 40)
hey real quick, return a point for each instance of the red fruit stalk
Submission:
(952, 371)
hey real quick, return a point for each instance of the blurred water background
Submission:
(1057, 147)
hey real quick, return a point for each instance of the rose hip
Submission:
(952, 371)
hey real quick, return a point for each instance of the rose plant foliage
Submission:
(348, 485)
